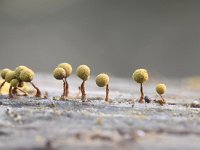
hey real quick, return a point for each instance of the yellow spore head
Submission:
(4, 72)
(14, 83)
(102, 80)
(67, 67)
(140, 75)
(59, 73)
(26, 75)
(83, 72)
(18, 70)
(161, 89)
(9, 76)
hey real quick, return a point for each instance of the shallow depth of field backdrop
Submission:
(114, 36)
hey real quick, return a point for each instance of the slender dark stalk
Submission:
(25, 94)
(107, 93)
(14, 91)
(83, 97)
(10, 92)
(66, 88)
(142, 94)
(2, 84)
(163, 100)
(38, 93)
(63, 88)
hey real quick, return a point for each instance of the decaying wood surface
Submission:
(123, 123)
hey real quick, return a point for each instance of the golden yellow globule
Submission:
(26, 75)
(67, 67)
(161, 89)
(140, 75)
(14, 83)
(18, 70)
(102, 80)
(83, 72)
(9, 76)
(59, 73)
(4, 72)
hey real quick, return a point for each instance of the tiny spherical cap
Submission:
(83, 72)
(102, 80)
(26, 75)
(67, 67)
(4, 72)
(161, 88)
(18, 70)
(59, 73)
(140, 75)
(9, 76)
(14, 82)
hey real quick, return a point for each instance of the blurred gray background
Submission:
(114, 36)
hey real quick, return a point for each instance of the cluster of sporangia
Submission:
(17, 78)
(23, 74)
(64, 70)
(141, 76)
